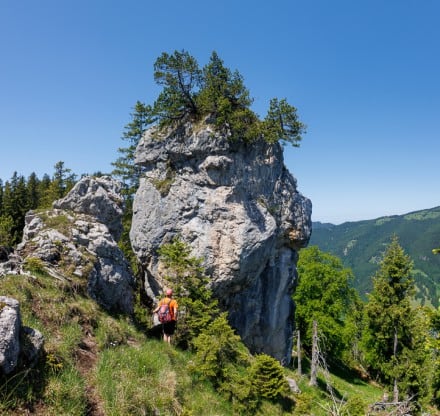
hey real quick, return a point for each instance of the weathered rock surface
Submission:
(10, 324)
(99, 198)
(17, 343)
(75, 236)
(238, 208)
(10, 262)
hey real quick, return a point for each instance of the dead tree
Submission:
(315, 356)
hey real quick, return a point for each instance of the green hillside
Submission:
(360, 245)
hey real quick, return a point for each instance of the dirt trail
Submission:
(87, 357)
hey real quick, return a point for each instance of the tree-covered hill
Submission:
(360, 246)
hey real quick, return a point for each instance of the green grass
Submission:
(128, 373)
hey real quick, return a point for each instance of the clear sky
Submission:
(363, 74)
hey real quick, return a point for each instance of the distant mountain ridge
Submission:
(360, 245)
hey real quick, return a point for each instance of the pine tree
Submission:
(224, 97)
(180, 76)
(282, 123)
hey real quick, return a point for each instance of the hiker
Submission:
(167, 311)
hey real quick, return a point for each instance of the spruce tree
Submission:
(185, 273)
(268, 377)
(124, 166)
(393, 342)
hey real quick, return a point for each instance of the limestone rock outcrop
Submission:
(239, 209)
(80, 235)
(18, 344)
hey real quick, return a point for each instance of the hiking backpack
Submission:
(164, 312)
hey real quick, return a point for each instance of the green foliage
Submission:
(180, 76)
(268, 377)
(124, 167)
(281, 123)
(217, 347)
(360, 245)
(213, 93)
(393, 337)
(18, 196)
(61, 183)
(222, 358)
(324, 294)
(6, 227)
(34, 265)
(225, 98)
(185, 273)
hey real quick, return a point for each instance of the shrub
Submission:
(268, 377)
(34, 265)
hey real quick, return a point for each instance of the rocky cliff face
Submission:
(238, 208)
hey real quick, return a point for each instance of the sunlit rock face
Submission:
(79, 237)
(238, 208)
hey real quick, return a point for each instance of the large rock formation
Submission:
(80, 236)
(238, 208)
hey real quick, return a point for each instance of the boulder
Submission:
(79, 237)
(99, 198)
(19, 345)
(10, 324)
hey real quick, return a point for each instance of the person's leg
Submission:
(168, 331)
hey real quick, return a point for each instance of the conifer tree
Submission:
(224, 97)
(15, 204)
(32, 189)
(268, 377)
(1, 197)
(58, 186)
(186, 274)
(6, 230)
(282, 123)
(180, 76)
(124, 166)
(393, 342)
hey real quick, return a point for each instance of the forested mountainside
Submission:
(360, 245)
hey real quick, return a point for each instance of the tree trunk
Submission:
(395, 389)
(314, 364)
(298, 351)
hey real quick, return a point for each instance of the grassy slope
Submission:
(97, 364)
(361, 244)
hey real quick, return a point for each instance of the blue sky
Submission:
(364, 76)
